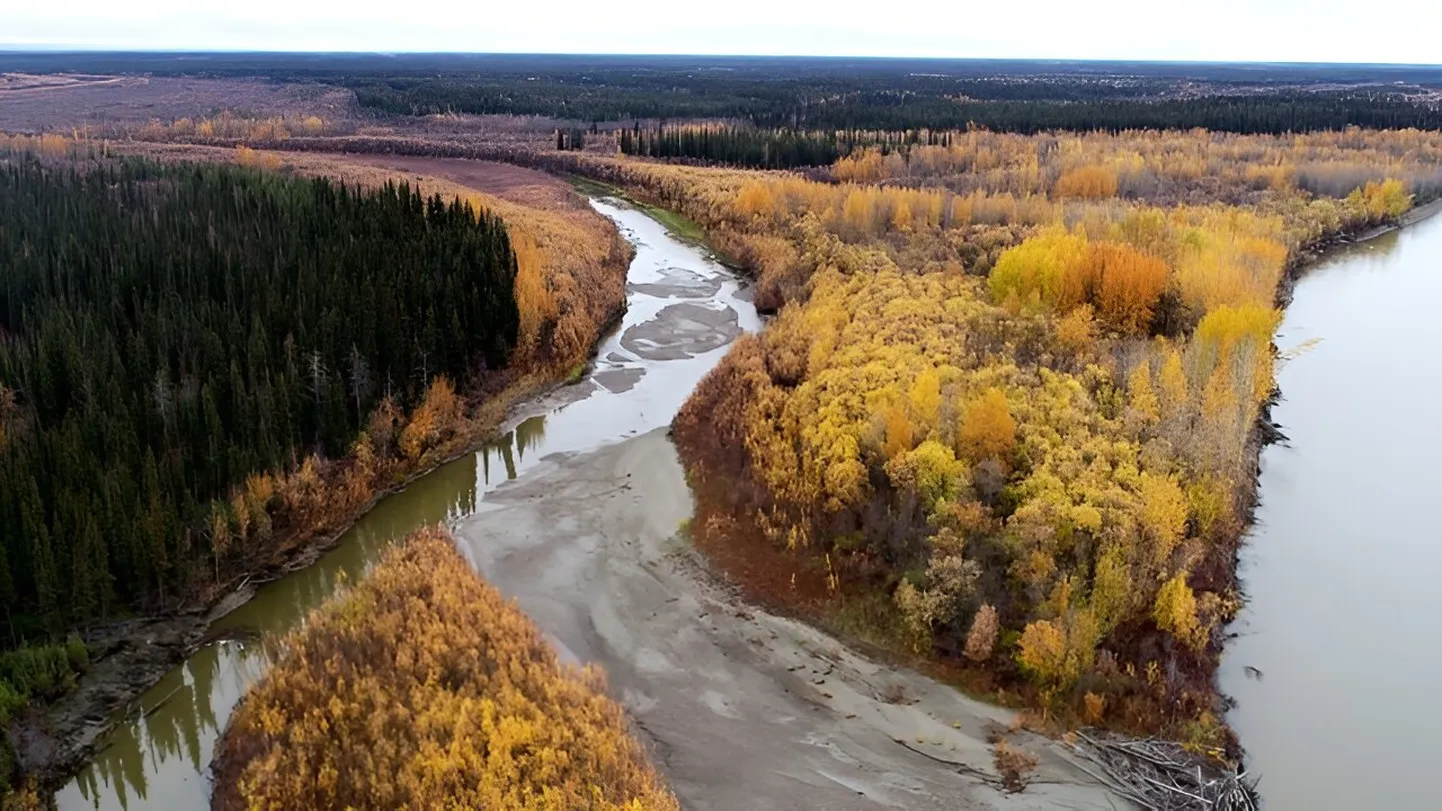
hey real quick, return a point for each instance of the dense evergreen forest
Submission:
(166, 331)
(740, 146)
(943, 107)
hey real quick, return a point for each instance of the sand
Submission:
(742, 709)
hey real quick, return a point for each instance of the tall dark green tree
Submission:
(166, 331)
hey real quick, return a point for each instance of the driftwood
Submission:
(1163, 776)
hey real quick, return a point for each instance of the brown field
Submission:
(506, 181)
(30, 103)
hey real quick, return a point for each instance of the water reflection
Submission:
(158, 756)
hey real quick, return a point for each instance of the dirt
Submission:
(43, 103)
(742, 708)
(128, 656)
(515, 183)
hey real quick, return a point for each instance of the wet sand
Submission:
(743, 709)
(682, 331)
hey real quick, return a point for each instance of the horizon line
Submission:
(65, 49)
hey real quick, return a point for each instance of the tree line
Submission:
(168, 332)
(830, 103)
(739, 146)
(841, 130)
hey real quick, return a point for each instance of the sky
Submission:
(1223, 30)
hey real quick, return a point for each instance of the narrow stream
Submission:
(1335, 667)
(684, 310)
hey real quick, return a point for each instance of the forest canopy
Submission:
(171, 335)
(423, 687)
(1013, 388)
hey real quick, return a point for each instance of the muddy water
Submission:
(1341, 571)
(684, 309)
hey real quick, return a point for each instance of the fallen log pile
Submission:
(1164, 776)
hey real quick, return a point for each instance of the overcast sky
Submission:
(1257, 30)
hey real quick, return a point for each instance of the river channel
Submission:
(684, 309)
(1335, 666)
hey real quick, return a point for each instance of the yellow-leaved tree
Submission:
(987, 431)
(423, 687)
(1175, 611)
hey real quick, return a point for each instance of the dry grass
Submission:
(1014, 764)
(44, 103)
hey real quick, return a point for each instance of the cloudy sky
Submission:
(1260, 30)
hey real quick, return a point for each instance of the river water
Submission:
(1344, 619)
(684, 309)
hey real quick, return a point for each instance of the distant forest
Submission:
(825, 94)
(168, 331)
(940, 106)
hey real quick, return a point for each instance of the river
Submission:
(684, 309)
(1341, 567)
(1340, 627)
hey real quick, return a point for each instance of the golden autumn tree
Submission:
(1042, 652)
(535, 303)
(423, 687)
(1090, 182)
(981, 639)
(987, 429)
(1175, 611)
(1125, 286)
(1141, 396)
(925, 400)
(1163, 515)
(432, 419)
(1173, 396)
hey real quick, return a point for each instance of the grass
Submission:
(679, 225)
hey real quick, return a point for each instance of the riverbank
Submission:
(162, 749)
(742, 707)
(54, 741)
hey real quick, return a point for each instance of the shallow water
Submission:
(684, 309)
(1344, 621)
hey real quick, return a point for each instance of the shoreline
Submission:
(53, 742)
(1267, 432)
(794, 715)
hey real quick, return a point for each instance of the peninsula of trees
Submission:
(423, 687)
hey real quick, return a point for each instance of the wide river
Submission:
(684, 309)
(1344, 620)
